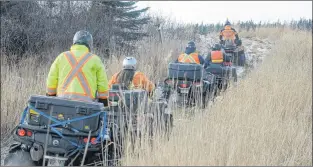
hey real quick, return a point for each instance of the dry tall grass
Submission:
(266, 120)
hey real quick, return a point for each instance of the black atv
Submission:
(140, 114)
(188, 85)
(56, 132)
(223, 72)
(234, 51)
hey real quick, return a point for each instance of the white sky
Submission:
(218, 11)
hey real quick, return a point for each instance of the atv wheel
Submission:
(168, 121)
(19, 158)
(205, 99)
(242, 60)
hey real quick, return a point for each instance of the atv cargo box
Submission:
(181, 71)
(64, 109)
(133, 97)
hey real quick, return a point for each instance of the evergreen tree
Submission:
(17, 25)
(121, 23)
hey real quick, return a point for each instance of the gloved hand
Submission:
(105, 102)
(50, 95)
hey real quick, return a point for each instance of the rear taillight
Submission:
(227, 63)
(93, 140)
(29, 133)
(113, 103)
(197, 84)
(183, 85)
(21, 132)
(170, 82)
(112, 94)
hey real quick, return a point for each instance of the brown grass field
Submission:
(265, 120)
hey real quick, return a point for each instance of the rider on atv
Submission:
(130, 77)
(78, 74)
(53, 131)
(228, 33)
(217, 56)
(190, 55)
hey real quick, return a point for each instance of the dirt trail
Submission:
(255, 49)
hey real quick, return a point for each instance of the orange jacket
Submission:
(191, 58)
(228, 33)
(139, 81)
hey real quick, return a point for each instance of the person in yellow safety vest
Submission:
(131, 78)
(79, 74)
(216, 56)
(190, 55)
(228, 33)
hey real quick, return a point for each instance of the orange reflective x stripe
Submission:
(76, 71)
(188, 57)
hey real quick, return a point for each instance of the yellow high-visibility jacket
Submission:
(79, 75)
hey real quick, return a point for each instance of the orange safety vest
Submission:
(228, 33)
(191, 58)
(217, 57)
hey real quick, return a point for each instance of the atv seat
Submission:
(129, 98)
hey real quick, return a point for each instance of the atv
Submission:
(223, 73)
(162, 114)
(129, 108)
(54, 131)
(234, 51)
(141, 113)
(187, 84)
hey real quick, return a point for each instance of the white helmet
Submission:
(129, 63)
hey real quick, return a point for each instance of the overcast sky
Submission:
(218, 11)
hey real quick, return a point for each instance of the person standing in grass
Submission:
(78, 74)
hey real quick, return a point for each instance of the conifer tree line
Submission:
(32, 27)
(301, 24)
